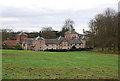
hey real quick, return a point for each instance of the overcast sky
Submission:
(32, 15)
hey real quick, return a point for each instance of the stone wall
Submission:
(38, 45)
(64, 45)
(51, 46)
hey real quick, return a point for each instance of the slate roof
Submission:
(39, 38)
(53, 41)
(74, 41)
(28, 40)
(22, 33)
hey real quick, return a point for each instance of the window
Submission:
(23, 44)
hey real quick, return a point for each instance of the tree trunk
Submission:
(114, 48)
(102, 49)
(109, 49)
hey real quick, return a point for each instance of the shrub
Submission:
(18, 47)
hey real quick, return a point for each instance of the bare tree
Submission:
(68, 26)
(48, 33)
(103, 30)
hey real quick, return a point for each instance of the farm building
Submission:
(70, 39)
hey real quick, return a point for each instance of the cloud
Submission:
(46, 16)
(57, 4)
(119, 6)
(32, 17)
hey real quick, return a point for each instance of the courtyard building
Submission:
(70, 39)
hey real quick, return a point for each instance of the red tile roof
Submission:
(10, 42)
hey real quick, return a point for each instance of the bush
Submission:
(72, 49)
(7, 47)
(80, 49)
(56, 50)
(18, 47)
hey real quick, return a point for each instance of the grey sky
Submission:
(119, 6)
(32, 15)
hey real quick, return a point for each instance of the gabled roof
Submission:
(52, 41)
(74, 41)
(22, 33)
(39, 38)
(55, 41)
(27, 40)
(10, 42)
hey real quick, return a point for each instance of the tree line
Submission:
(103, 31)
(45, 32)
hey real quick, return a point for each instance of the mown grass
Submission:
(21, 64)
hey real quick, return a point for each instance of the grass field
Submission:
(20, 64)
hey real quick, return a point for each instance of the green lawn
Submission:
(20, 64)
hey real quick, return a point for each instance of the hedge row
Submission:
(64, 50)
(17, 47)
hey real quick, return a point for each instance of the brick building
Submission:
(70, 39)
